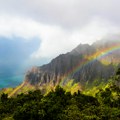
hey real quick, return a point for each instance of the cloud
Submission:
(66, 13)
(61, 41)
(54, 39)
(11, 26)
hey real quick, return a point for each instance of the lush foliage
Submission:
(62, 105)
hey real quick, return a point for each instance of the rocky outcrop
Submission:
(76, 65)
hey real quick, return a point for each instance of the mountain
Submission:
(86, 64)
(85, 67)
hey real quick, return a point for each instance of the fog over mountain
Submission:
(34, 32)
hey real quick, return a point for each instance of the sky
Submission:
(32, 32)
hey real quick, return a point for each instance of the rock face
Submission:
(77, 65)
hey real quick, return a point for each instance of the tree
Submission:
(4, 97)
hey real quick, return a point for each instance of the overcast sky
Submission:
(58, 25)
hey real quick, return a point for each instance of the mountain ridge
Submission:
(84, 67)
(57, 69)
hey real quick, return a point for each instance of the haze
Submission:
(32, 32)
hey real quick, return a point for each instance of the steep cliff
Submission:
(84, 64)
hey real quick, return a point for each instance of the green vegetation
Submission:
(72, 87)
(59, 104)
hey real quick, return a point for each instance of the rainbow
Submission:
(96, 56)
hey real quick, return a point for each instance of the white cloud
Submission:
(66, 13)
(54, 39)
(15, 26)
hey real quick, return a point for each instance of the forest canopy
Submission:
(62, 105)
